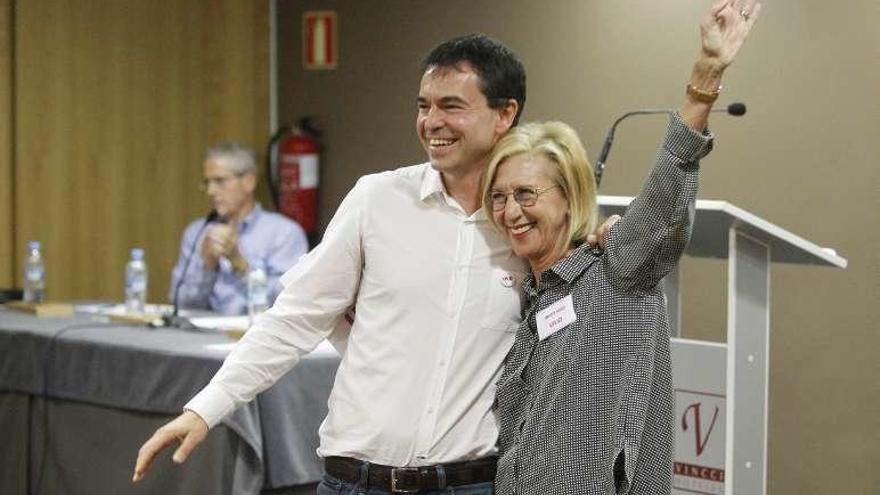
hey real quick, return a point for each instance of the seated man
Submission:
(244, 237)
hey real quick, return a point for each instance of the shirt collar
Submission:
(565, 270)
(432, 185)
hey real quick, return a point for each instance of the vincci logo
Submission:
(699, 439)
(698, 466)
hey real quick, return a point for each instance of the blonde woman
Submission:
(585, 399)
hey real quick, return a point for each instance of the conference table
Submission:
(78, 397)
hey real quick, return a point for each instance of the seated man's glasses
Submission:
(218, 182)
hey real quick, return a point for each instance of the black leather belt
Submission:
(413, 479)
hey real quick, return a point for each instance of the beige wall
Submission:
(114, 105)
(6, 174)
(805, 158)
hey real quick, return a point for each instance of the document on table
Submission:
(221, 322)
(324, 348)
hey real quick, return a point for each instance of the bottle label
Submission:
(34, 274)
(259, 298)
(137, 284)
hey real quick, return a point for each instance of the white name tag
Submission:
(555, 317)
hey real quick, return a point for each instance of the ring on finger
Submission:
(744, 12)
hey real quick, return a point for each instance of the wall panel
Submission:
(117, 102)
(7, 268)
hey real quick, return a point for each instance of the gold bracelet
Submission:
(702, 95)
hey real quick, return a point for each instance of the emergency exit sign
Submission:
(319, 39)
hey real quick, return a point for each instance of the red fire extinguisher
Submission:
(294, 172)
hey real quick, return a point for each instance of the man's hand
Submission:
(189, 429)
(221, 240)
(209, 252)
(599, 237)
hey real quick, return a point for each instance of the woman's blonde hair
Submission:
(558, 143)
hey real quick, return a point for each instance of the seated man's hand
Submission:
(221, 241)
(189, 429)
(224, 242)
(599, 237)
(209, 251)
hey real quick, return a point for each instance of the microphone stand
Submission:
(735, 109)
(173, 320)
(606, 148)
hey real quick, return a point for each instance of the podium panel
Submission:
(699, 377)
(748, 341)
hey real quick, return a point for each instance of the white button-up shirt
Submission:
(437, 305)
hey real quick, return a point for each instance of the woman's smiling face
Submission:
(537, 233)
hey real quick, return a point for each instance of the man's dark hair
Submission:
(502, 76)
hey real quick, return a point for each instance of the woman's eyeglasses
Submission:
(524, 195)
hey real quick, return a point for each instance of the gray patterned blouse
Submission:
(588, 409)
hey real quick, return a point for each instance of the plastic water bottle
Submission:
(34, 274)
(258, 292)
(136, 282)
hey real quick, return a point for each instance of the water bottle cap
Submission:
(33, 245)
(137, 254)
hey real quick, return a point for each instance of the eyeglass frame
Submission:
(218, 181)
(519, 189)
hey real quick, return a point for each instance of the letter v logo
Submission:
(700, 441)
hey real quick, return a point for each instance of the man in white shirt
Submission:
(436, 290)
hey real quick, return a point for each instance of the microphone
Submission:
(213, 216)
(172, 319)
(735, 109)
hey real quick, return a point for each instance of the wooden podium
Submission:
(721, 388)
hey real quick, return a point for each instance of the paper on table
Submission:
(110, 309)
(221, 322)
(224, 348)
(324, 348)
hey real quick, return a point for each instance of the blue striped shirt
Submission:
(267, 240)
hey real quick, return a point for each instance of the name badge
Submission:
(555, 317)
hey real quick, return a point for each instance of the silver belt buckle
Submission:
(407, 482)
